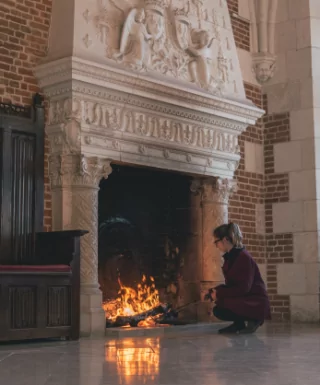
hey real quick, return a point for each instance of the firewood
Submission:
(134, 320)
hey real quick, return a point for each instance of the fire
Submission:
(131, 302)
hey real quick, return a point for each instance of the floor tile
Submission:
(276, 355)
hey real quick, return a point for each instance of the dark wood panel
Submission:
(22, 181)
(23, 314)
(23, 196)
(59, 305)
(38, 303)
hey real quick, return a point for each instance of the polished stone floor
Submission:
(276, 355)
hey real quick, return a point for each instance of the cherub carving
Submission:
(133, 48)
(200, 65)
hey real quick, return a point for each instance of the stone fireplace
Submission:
(152, 84)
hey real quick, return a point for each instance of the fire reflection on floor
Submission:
(132, 360)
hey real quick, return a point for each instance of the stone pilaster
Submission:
(214, 201)
(75, 184)
(214, 193)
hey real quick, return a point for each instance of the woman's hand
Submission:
(209, 295)
(214, 295)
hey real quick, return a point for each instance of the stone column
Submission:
(75, 184)
(214, 193)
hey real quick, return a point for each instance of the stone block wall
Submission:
(261, 187)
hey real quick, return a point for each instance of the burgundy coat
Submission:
(244, 292)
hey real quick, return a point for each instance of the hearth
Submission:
(142, 245)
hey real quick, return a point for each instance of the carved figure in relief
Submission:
(155, 24)
(223, 70)
(200, 43)
(133, 48)
(182, 24)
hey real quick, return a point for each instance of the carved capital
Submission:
(77, 170)
(214, 190)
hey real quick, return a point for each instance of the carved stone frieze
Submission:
(102, 119)
(71, 170)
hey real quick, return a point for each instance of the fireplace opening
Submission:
(143, 246)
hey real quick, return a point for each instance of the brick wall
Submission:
(24, 31)
(270, 249)
(241, 27)
(279, 247)
(242, 208)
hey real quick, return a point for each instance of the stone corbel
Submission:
(263, 15)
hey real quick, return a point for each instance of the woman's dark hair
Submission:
(231, 231)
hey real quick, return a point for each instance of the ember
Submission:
(139, 307)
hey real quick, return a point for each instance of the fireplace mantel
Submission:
(115, 114)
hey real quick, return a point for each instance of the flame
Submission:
(131, 302)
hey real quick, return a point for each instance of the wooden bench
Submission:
(43, 300)
(39, 272)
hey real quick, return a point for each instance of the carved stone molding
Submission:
(77, 170)
(55, 79)
(214, 190)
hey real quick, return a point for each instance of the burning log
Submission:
(134, 320)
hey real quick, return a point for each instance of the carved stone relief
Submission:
(179, 39)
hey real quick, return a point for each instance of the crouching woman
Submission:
(243, 298)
